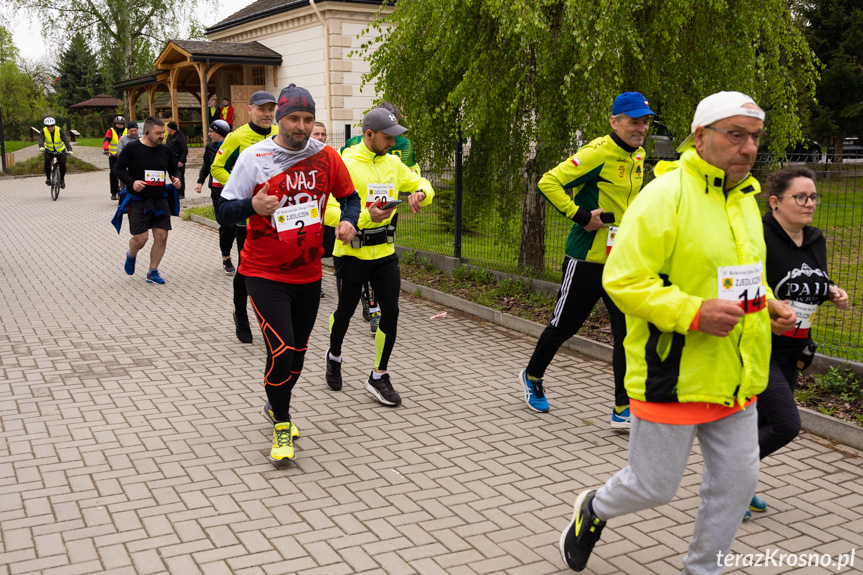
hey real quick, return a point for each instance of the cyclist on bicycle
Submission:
(53, 140)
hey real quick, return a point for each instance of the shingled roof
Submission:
(264, 8)
(231, 50)
(98, 101)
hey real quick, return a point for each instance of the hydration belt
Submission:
(376, 236)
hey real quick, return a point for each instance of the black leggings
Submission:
(580, 289)
(112, 179)
(286, 314)
(60, 160)
(227, 234)
(778, 417)
(240, 292)
(385, 278)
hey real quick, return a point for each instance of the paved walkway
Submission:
(132, 440)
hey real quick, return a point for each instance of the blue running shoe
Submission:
(622, 420)
(757, 504)
(130, 264)
(534, 394)
(747, 516)
(153, 277)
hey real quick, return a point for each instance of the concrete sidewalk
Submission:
(132, 439)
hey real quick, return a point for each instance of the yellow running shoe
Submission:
(283, 444)
(268, 413)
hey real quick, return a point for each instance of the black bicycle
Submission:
(55, 174)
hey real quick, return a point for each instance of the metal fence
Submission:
(483, 226)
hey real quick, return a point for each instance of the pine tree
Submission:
(78, 73)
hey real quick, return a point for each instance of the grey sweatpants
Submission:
(658, 454)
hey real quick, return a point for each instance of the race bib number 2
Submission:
(294, 222)
(744, 285)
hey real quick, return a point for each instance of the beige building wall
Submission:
(298, 36)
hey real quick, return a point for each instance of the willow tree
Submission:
(520, 78)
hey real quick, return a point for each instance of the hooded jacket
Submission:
(673, 239)
(796, 273)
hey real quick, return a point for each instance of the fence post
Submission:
(2, 143)
(457, 198)
(347, 133)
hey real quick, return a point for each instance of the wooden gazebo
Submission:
(199, 68)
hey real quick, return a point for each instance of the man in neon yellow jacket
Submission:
(379, 178)
(687, 269)
(603, 177)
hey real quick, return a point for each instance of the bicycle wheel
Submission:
(55, 182)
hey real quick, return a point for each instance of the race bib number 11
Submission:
(743, 284)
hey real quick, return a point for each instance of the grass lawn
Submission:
(204, 211)
(89, 142)
(15, 145)
(35, 166)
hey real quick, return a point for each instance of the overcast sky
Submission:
(27, 34)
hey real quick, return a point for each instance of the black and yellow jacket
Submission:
(606, 173)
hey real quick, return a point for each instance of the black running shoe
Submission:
(228, 266)
(243, 329)
(334, 373)
(382, 390)
(582, 533)
(62, 184)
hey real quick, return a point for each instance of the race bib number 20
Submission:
(382, 193)
(744, 285)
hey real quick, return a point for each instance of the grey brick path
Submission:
(132, 439)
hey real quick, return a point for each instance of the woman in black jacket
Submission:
(797, 273)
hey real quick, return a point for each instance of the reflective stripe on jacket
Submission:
(665, 262)
(53, 141)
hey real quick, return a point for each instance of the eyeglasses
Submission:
(737, 137)
(801, 199)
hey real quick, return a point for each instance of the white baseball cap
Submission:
(717, 107)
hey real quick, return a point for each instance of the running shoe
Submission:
(113, 196)
(129, 266)
(747, 516)
(757, 504)
(334, 373)
(283, 444)
(582, 533)
(47, 181)
(228, 266)
(153, 277)
(242, 328)
(366, 315)
(622, 420)
(374, 321)
(534, 394)
(268, 413)
(62, 184)
(382, 390)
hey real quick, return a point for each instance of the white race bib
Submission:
(380, 192)
(154, 178)
(297, 220)
(612, 235)
(804, 312)
(744, 285)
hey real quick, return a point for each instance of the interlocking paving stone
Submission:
(132, 439)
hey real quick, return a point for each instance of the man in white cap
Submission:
(379, 178)
(688, 271)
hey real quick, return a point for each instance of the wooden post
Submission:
(172, 87)
(204, 111)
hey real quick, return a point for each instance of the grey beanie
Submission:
(294, 99)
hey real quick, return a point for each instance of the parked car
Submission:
(808, 151)
(852, 149)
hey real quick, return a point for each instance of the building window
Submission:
(259, 76)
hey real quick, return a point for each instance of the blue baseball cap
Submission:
(633, 104)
